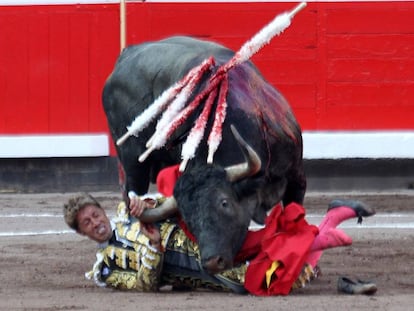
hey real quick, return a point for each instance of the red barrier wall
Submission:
(342, 65)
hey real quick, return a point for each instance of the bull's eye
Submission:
(224, 203)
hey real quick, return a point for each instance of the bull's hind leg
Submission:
(296, 187)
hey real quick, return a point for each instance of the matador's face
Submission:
(93, 222)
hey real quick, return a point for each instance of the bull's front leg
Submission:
(133, 177)
(296, 186)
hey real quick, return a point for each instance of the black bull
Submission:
(216, 210)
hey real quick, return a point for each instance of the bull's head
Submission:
(213, 203)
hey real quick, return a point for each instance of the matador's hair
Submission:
(74, 205)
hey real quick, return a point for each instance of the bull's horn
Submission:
(165, 210)
(248, 168)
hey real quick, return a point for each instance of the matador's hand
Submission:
(137, 205)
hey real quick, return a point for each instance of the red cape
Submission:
(286, 238)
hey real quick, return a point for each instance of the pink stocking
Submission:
(335, 216)
(328, 239)
(329, 236)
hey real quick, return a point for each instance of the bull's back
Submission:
(261, 114)
(162, 63)
(142, 72)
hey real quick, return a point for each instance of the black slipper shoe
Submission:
(361, 209)
(347, 286)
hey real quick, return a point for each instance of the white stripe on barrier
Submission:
(358, 144)
(45, 146)
(317, 145)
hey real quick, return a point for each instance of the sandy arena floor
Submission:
(43, 263)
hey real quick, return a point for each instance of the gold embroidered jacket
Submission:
(128, 261)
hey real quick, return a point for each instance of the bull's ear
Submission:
(248, 168)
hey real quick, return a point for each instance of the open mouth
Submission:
(101, 229)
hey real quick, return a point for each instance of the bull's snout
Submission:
(216, 264)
